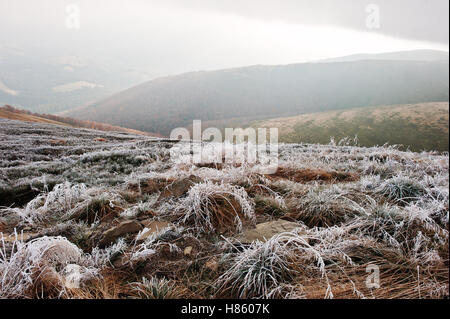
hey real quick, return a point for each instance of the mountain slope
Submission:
(11, 113)
(4, 114)
(419, 126)
(260, 92)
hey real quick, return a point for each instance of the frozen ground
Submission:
(88, 214)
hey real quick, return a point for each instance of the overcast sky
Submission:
(163, 37)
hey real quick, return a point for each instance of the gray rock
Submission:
(265, 231)
(9, 222)
(151, 227)
(122, 229)
(179, 188)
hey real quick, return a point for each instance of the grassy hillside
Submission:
(263, 92)
(138, 225)
(27, 118)
(420, 126)
(11, 113)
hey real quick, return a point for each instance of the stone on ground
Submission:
(263, 232)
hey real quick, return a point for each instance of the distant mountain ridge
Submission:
(416, 55)
(257, 92)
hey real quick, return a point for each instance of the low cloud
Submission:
(75, 86)
(7, 90)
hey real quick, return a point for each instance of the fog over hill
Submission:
(51, 84)
(258, 92)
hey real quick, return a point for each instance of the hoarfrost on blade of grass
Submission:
(200, 207)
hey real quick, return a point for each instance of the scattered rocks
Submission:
(149, 186)
(144, 216)
(212, 264)
(188, 251)
(20, 236)
(265, 231)
(179, 188)
(109, 217)
(9, 222)
(151, 227)
(120, 261)
(102, 210)
(122, 229)
(310, 175)
(170, 235)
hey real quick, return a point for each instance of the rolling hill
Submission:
(420, 126)
(263, 92)
(4, 114)
(11, 113)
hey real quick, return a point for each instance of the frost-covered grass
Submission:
(258, 271)
(156, 288)
(326, 208)
(211, 207)
(58, 201)
(81, 158)
(36, 262)
(402, 189)
(67, 202)
(43, 267)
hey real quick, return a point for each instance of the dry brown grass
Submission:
(97, 209)
(310, 175)
(47, 284)
(112, 285)
(417, 113)
(350, 283)
(321, 211)
(27, 118)
(150, 186)
(224, 212)
(400, 277)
